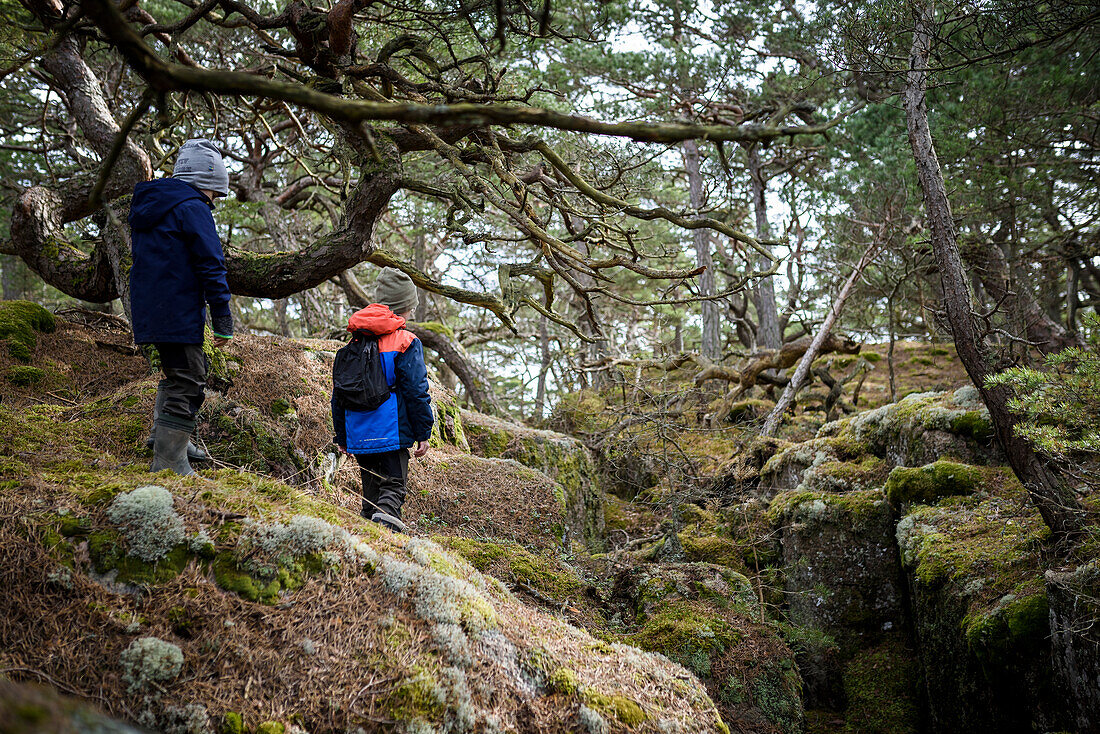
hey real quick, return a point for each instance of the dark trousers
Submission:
(384, 478)
(185, 368)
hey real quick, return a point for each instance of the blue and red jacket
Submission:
(406, 417)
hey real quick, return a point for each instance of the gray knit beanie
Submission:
(396, 290)
(200, 164)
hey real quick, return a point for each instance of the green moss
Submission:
(776, 691)
(280, 406)
(232, 723)
(973, 425)
(437, 328)
(687, 634)
(106, 549)
(25, 375)
(712, 549)
(881, 686)
(1015, 625)
(853, 509)
(620, 707)
(515, 563)
(563, 680)
(931, 482)
(230, 577)
(416, 698)
(19, 320)
(271, 727)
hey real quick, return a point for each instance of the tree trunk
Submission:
(544, 368)
(988, 261)
(768, 335)
(1058, 506)
(771, 424)
(712, 335)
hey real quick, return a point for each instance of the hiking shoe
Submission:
(170, 451)
(387, 520)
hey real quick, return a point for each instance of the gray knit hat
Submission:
(396, 290)
(200, 164)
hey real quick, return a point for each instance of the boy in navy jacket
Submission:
(380, 439)
(179, 268)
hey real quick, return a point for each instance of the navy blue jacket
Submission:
(178, 263)
(406, 417)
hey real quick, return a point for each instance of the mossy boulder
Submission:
(562, 458)
(979, 612)
(708, 619)
(929, 483)
(922, 428)
(19, 320)
(841, 575)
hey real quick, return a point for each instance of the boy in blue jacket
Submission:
(380, 439)
(179, 268)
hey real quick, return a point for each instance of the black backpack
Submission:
(358, 380)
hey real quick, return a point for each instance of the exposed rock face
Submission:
(1075, 641)
(842, 571)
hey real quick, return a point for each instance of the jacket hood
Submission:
(377, 319)
(154, 199)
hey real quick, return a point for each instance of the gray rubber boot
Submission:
(194, 453)
(170, 450)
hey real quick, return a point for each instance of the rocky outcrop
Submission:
(560, 457)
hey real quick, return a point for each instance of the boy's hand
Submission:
(221, 341)
(342, 450)
(421, 449)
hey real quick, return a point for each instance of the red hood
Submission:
(377, 319)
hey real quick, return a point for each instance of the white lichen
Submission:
(190, 719)
(148, 521)
(592, 721)
(303, 535)
(453, 643)
(149, 660)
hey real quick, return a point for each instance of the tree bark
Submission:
(1058, 506)
(768, 334)
(712, 335)
(988, 261)
(544, 367)
(771, 424)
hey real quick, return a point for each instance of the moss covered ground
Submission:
(275, 588)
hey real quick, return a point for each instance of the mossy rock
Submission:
(929, 483)
(19, 320)
(232, 723)
(686, 633)
(1013, 627)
